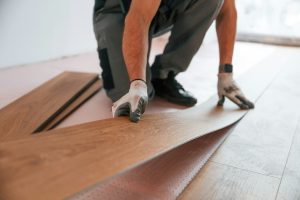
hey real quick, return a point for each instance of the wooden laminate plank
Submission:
(65, 161)
(217, 182)
(23, 116)
(262, 140)
(290, 182)
(93, 89)
(162, 178)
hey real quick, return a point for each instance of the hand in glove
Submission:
(227, 87)
(133, 103)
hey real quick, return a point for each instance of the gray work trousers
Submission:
(189, 21)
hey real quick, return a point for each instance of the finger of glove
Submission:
(244, 100)
(237, 102)
(135, 115)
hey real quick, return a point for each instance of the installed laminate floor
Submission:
(290, 181)
(260, 158)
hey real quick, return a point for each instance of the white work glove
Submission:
(227, 87)
(133, 103)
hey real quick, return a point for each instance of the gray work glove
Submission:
(227, 87)
(133, 103)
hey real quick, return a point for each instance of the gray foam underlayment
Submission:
(166, 176)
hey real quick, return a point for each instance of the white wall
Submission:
(37, 30)
(270, 17)
(34, 30)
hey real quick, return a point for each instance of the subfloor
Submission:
(259, 160)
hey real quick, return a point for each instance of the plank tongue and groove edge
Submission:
(33, 111)
(86, 95)
(62, 162)
(91, 79)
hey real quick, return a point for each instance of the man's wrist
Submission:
(138, 79)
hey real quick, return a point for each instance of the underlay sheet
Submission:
(119, 156)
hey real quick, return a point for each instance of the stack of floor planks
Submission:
(45, 106)
(115, 159)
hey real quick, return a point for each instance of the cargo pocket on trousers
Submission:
(108, 82)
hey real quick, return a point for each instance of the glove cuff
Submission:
(225, 68)
(138, 79)
(138, 84)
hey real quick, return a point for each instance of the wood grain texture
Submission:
(290, 182)
(87, 94)
(261, 141)
(98, 150)
(217, 182)
(23, 116)
(258, 147)
(164, 177)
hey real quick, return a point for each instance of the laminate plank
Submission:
(92, 90)
(217, 182)
(95, 151)
(81, 89)
(261, 141)
(23, 116)
(290, 182)
(164, 177)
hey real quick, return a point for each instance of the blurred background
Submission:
(33, 31)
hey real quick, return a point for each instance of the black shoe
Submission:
(173, 91)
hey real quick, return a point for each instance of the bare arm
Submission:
(135, 50)
(135, 38)
(226, 31)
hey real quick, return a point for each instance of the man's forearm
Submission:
(135, 47)
(135, 50)
(135, 37)
(226, 31)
